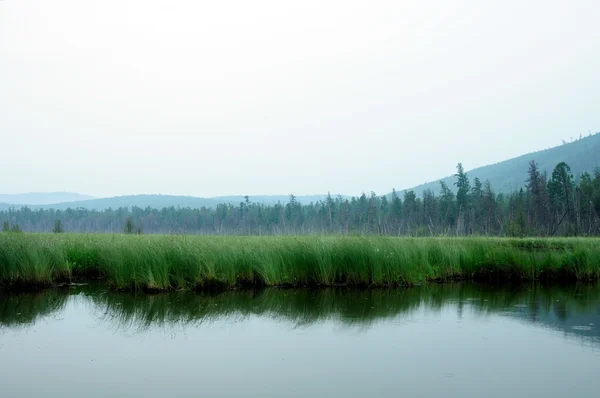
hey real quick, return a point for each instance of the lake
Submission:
(451, 340)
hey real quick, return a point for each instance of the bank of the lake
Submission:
(166, 262)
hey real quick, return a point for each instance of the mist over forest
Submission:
(556, 204)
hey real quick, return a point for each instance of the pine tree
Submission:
(129, 226)
(410, 210)
(430, 211)
(584, 203)
(384, 211)
(58, 228)
(462, 200)
(560, 189)
(396, 211)
(538, 197)
(331, 211)
(477, 206)
(447, 207)
(489, 205)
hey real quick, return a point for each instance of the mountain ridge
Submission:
(42, 198)
(161, 201)
(582, 155)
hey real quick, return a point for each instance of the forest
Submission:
(559, 204)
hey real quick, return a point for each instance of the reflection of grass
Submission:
(352, 307)
(300, 306)
(160, 262)
(27, 308)
(348, 306)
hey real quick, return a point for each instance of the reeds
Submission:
(165, 262)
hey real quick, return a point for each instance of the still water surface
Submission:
(453, 340)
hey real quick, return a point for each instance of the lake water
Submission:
(455, 340)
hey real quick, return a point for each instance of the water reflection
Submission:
(574, 310)
(24, 309)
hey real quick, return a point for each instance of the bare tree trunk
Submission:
(561, 220)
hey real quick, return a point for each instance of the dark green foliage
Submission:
(5, 226)
(463, 186)
(596, 202)
(129, 227)
(539, 201)
(447, 206)
(463, 201)
(58, 228)
(560, 191)
(396, 211)
(489, 209)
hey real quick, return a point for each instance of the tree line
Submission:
(554, 205)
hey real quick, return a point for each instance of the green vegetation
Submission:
(163, 262)
(58, 228)
(559, 205)
(130, 227)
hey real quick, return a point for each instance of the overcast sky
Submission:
(212, 98)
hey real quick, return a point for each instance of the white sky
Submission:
(212, 98)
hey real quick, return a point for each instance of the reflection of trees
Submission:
(556, 307)
(360, 308)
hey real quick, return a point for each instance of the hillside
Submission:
(510, 175)
(160, 201)
(42, 198)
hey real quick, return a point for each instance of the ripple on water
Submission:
(581, 327)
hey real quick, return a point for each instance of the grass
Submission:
(166, 262)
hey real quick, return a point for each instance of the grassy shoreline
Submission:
(167, 262)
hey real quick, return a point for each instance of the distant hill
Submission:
(507, 176)
(155, 201)
(510, 175)
(160, 201)
(41, 198)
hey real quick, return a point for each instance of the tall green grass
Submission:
(164, 262)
